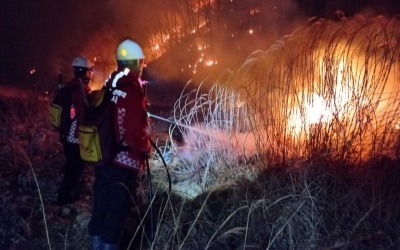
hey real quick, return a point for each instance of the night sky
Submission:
(46, 35)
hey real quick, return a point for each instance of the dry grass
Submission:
(31, 166)
(319, 205)
(320, 112)
(324, 183)
(329, 89)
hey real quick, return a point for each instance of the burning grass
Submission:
(320, 119)
(296, 149)
(327, 90)
(330, 88)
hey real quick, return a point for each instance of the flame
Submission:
(210, 62)
(313, 111)
(312, 108)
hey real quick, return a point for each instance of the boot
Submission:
(106, 246)
(95, 242)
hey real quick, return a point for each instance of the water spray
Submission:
(176, 123)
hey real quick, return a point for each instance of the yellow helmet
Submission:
(130, 55)
(129, 50)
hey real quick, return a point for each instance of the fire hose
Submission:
(165, 165)
(151, 187)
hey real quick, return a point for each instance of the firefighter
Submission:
(73, 169)
(112, 197)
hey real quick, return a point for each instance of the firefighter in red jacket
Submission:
(83, 72)
(112, 199)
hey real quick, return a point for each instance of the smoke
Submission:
(46, 37)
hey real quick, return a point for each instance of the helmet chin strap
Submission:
(86, 80)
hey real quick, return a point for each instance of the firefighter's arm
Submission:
(137, 124)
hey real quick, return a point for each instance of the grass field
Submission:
(297, 148)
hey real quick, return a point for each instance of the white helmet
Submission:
(129, 50)
(82, 62)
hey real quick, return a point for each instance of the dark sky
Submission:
(46, 35)
(326, 8)
(29, 32)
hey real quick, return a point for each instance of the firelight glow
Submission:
(210, 62)
(313, 108)
(314, 111)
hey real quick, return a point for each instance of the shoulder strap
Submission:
(83, 91)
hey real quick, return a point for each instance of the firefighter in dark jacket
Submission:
(112, 197)
(73, 169)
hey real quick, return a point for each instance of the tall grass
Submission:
(295, 149)
(327, 90)
(330, 88)
(31, 162)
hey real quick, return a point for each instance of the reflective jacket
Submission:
(70, 97)
(130, 119)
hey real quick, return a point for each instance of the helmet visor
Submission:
(132, 64)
